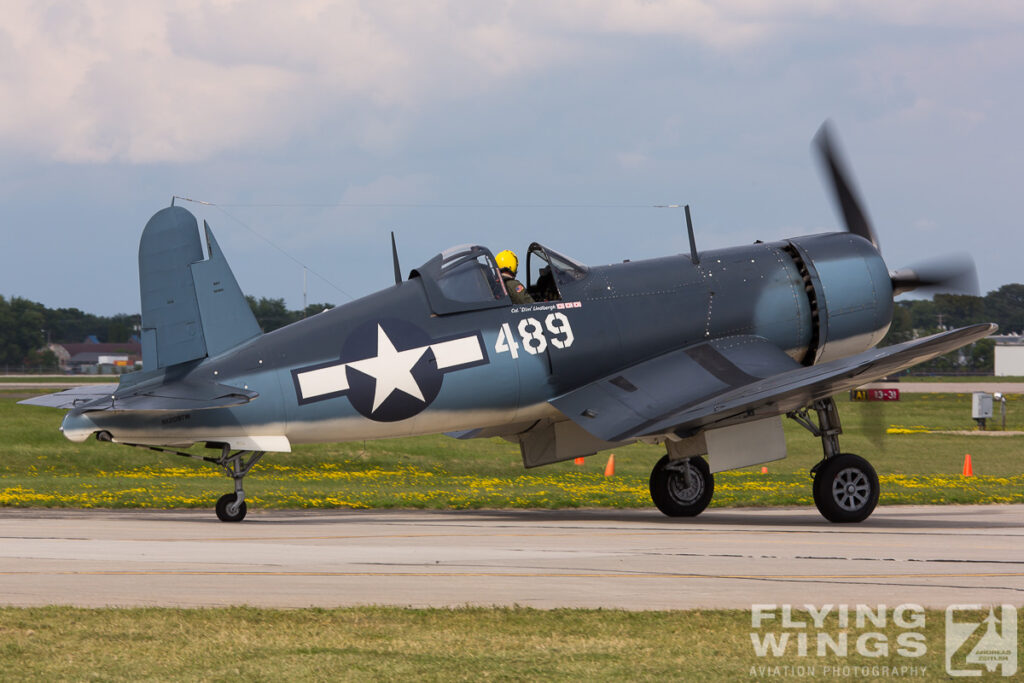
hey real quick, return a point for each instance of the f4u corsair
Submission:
(702, 353)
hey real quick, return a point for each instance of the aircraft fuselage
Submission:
(387, 365)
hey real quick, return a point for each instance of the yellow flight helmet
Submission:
(508, 259)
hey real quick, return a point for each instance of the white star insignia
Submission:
(392, 370)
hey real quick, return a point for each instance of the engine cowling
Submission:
(850, 293)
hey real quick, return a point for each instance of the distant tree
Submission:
(1006, 307)
(982, 355)
(923, 314)
(8, 348)
(902, 328)
(29, 326)
(71, 324)
(271, 314)
(26, 326)
(121, 327)
(957, 310)
(41, 359)
(313, 309)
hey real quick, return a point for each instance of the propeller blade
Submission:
(873, 422)
(952, 274)
(844, 192)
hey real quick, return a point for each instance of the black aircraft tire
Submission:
(222, 509)
(670, 493)
(846, 488)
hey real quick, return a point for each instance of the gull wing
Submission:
(732, 380)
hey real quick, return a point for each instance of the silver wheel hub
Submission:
(851, 489)
(680, 492)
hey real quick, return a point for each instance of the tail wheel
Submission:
(846, 488)
(227, 511)
(678, 493)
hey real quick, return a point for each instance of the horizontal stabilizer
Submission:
(74, 397)
(150, 396)
(177, 396)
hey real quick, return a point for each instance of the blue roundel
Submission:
(389, 369)
(392, 371)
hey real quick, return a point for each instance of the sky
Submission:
(313, 129)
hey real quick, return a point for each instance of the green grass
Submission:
(471, 644)
(40, 468)
(960, 378)
(57, 379)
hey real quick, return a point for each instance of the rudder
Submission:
(227, 318)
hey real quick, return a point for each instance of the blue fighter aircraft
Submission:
(702, 353)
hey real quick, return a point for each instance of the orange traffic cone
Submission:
(968, 470)
(764, 470)
(609, 469)
(578, 461)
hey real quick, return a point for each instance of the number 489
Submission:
(533, 338)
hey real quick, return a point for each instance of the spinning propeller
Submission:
(953, 274)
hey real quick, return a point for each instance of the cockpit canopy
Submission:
(466, 278)
(542, 261)
(462, 278)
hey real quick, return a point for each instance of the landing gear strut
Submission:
(231, 506)
(845, 485)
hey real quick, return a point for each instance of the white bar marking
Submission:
(457, 352)
(323, 381)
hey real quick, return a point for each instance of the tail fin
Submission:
(191, 308)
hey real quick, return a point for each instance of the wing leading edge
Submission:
(732, 380)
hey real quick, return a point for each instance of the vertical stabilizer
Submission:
(191, 308)
(172, 330)
(227, 318)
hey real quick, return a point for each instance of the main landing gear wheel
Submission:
(846, 488)
(231, 506)
(682, 488)
(228, 511)
(845, 485)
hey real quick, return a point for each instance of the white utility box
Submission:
(981, 405)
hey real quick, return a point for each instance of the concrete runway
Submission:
(634, 559)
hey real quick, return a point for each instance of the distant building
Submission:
(1009, 359)
(95, 358)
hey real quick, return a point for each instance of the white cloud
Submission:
(138, 82)
(176, 81)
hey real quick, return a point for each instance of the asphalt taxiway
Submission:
(635, 559)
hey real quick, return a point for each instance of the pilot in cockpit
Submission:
(508, 266)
